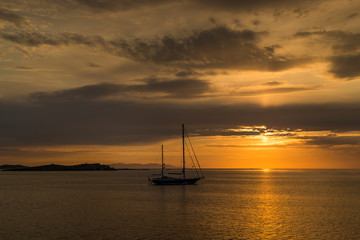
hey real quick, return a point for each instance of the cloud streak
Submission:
(345, 45)
(172, 88)
(37, 39)
(216, 48)
(219, 47)
(331, 141)
(11, 17)
(342, 42)
(227, 5)
(274, 90)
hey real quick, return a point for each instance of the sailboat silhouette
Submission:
(168, 180)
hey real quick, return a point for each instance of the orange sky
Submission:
(259, 84)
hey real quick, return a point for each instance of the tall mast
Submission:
(183, 145)
(162, 161)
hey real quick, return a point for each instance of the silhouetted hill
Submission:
(54, 167)
(7, 167)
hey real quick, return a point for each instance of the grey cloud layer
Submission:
(162, 88)
(99, 6)
(346, 45)
(342, 42)
(248, 5)
(68, 120)
(346, 66)
(331, 141)
(117, 5)
(219, 47)
(36, 39)
(174, 88)
(11, 17)
(274, 90)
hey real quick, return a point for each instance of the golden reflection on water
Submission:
(229, 204)
(267, 209)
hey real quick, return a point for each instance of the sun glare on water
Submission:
(266, 170)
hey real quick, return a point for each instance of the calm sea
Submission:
(228, 204)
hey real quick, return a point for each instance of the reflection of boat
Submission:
(168, 180)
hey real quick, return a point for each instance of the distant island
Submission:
(6, 167)
(85, 167)
(55, 167)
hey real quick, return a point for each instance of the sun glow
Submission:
(266, 170)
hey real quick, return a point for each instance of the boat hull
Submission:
(174, 181)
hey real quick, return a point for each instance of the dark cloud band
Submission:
(11, 17)
(216, 48)
(130, 122)
(172, 88)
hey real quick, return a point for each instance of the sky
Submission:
(258, 84)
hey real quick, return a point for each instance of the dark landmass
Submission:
(85, 167)
(54, 167)
(6, 167)
(138, 166)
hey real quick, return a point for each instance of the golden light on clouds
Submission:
(257, 84)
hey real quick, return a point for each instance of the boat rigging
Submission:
(184, 180)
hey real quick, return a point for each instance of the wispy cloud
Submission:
(272, 83)
(248, 5)
(216, 48)
(172, 88)
(37, 39)
(274, 90)
(345, 45)
(332, 140)
(11, 17)
(219, 47)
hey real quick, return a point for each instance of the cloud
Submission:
(346, 66)
(341, 41)
(256, 22)
(249, 5)
(346, 46)
(118, 5)
(186, 73)
(24, 68)
(11, 17)
(90, 92)
(49, 121)
(331, 141)
(219, 47)
(274, 90)
(181, 88)
(353, 15)
(150, 88)
(37, 39)
(227, 132)
(198, 46)
(94, 65)
(25, 154)
(272, 83)
(105, 6)
(173, 88)
(29, 39)
(216, 48)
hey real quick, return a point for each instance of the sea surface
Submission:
(228, 204)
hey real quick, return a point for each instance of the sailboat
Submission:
(183, 180)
